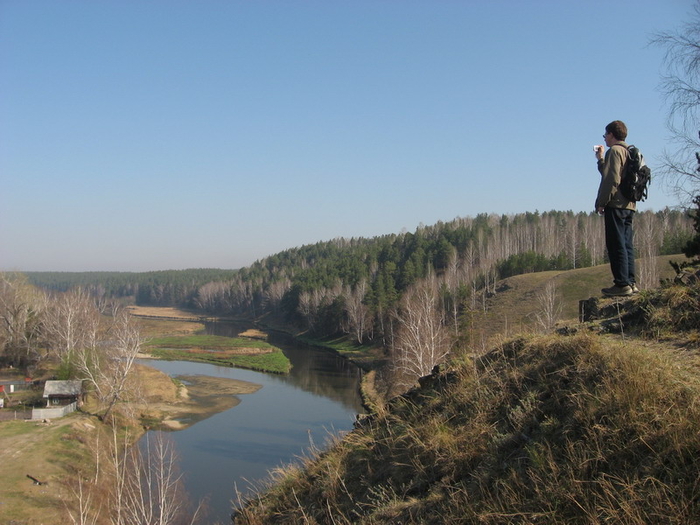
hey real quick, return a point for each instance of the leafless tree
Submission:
(209, 296)
(85, 507)
(121, 354)
(149, 487)
(276, 290)
(573, 242)
(307, 308)
(422, 339)
(70, 322)
(681, 86)
(452, 279)
(356, 310)
(131, 485)
(648, 240)
(101, 356)
(550, 306)
(21, 308)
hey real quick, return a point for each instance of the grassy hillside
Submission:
(514, 306)
(593, 427)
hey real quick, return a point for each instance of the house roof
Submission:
(63, 388)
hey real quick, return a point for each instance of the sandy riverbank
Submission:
(178, 404)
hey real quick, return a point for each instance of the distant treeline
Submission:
(158, 288)
(354, 284)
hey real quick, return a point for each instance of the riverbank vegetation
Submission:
(243, 352)
(80, 470)
(223, 351)
(175, 334)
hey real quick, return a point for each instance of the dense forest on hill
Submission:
(159, 288)
(354, 285)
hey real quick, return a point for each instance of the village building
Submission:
(62, 397)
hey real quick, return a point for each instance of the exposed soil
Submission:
(176, 406)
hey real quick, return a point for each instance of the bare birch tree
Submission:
(121, 354)
(356, 310)
(550, 306)
(647, 237)
(21, 308)
(149, 485)
(131, 485)
(680, 84)
(210, 297)
(69, 322)
(307, 309)
(422, 339)
(103, 357)
(453, 282)
(275, 292)
(87, 507)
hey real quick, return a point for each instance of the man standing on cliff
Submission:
(618, 211)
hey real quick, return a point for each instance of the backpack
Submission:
(636, 176)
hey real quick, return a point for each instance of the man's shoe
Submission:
(616, 291)
(634, 288)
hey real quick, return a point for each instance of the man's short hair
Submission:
(618, 129)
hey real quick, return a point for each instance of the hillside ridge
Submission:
(586, 425)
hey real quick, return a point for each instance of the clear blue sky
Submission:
(153, 135)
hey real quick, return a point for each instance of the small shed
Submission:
(62, 398)
(61, 393)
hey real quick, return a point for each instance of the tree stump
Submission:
(588, 310)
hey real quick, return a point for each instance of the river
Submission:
(235, 449)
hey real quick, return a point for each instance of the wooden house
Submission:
(61, 393)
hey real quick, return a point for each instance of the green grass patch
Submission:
(340, 344)
(214, 342)
(365, 356)
(14, 428)
(274, 361)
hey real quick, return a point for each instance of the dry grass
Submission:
(48, 452)
(674, 309)
(163, 312)
(541, 429)
(513, 308)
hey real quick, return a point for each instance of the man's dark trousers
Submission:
(618, 241)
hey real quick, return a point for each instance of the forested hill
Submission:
(353, 285)
(166, 287)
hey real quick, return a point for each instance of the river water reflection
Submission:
(274, 426)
